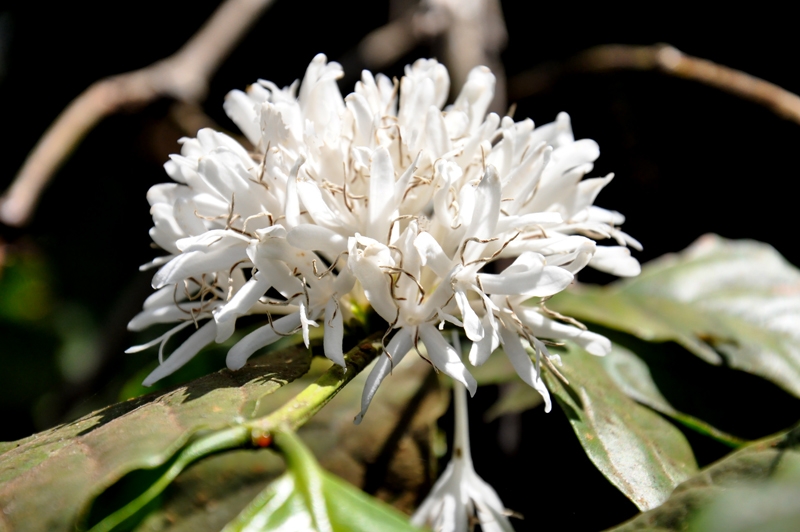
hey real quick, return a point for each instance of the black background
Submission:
(688, 160)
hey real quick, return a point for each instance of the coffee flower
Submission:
(384, 199)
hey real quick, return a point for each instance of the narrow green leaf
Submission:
(638, 451)
(62, 470)
(353, 510)
(748, 474)
(213, 491)
(389, 453)
(308, 498)
(259, 432)
(307, 477)
(738, 298)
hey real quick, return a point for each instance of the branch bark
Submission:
(183, 76)
(668, 60)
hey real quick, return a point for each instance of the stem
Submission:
(223, 440)
(183, 76)
(307, 475)
(289, 417)
(461, 448)
(296, 412)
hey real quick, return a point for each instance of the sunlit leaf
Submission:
(633, 377)
(306, 498)
(740, 299)
(389, 453)
(61, 470)
(750, 468)
(638, 451)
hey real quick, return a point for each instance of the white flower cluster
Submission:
(381, 199)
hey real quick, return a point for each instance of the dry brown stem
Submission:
(183, 76)
(666, 59)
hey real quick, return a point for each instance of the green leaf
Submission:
(738, 298)
(633, 377)
(385, 453)
(739, 486)
(62, 470)
(389, 453)
(308, 498)
(637, 450)
(755, 507)
(208, 495)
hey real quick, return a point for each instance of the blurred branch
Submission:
(468, 33)
(666, 59)
(183, 76)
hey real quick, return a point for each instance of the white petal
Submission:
(334, 333)
(395, 351)
(615, 260)
(546, 328)
(480, 351)
(241, 302)
(241, 110)
(476, 95)
(238, 354)
(160, 340)
(187, 350)
(317, 238)
(292, 200)
(523, 365)
(374, 282)
(360, 109)
(445, 358)
(432, 254)
(306, 322)
(314, 202)
(381, 187)
(220, 255)
(472, 323)
(487, 206)
(532, 279)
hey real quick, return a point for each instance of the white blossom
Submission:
(385, 200)
(460, 497)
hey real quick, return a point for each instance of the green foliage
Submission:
(638, 451)
(722, 300)
(308, 498)
(61, 470)
(632, 376)
(735, 494)
(736, 300)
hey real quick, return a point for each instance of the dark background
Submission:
(688, 160)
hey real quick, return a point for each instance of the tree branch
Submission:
(183, 76)
(666, 59)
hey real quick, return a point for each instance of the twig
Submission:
(387, 44)
(255, 433)
(183, 76)
(666, 59)
(467, 34)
